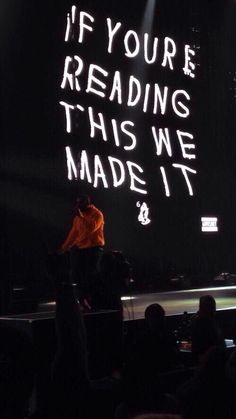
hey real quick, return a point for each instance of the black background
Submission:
(36, 197)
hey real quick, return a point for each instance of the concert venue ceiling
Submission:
(133, 103)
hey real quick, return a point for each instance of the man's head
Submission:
(155, 316)
(207, 306)
(83, 202)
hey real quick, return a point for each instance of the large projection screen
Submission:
(132, 103)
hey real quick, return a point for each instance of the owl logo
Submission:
(143, 216)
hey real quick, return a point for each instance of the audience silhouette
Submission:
(205, 331)
(149, 385)
(17, 373)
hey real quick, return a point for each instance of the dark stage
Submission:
(177, 302)
(104, 329)
(174, 302)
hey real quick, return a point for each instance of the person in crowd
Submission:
(230, 371)
(75, 394)
(156, 347)
(85, 240)
(207, 395)
(204, 330)
(152, 353)
(17, 373)
(70, 377)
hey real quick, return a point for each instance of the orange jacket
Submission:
(86, 230)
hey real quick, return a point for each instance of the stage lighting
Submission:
(209, 224)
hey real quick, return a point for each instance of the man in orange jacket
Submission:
(85, 240)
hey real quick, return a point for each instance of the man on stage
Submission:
(85, 240)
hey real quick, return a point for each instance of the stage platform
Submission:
(174, 302)
(105, 330)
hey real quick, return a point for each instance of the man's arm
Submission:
(71, 237)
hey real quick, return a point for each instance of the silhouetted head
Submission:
(83, 202)
(155, 315)
(207, 306)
